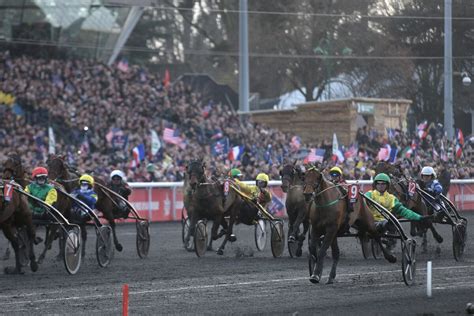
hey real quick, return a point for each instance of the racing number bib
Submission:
(7, 192)
(411, 188)
(353, 193)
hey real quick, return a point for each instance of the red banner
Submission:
(161, 204)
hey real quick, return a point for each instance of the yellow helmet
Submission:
(87, 178)
(262, 177)
(336, 170)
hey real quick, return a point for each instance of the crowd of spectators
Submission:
(99, 114)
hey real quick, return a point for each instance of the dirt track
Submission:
(174, 281)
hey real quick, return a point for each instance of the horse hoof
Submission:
(299, 252)
(40, 259)
(37, 240)
(314, 279)
(291, 239)
(220, 252)
(330, 281)
(6, 256)
(232, 238)
(33, 265)
(391, 258)
(439, 239)
(119, 247)
(12, 270)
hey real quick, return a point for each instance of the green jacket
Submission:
(393, 205)
(46, 193)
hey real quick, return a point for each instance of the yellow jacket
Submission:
(262, 195)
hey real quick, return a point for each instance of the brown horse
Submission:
(400, 187)
(63, 204)
(292, 183)
(329, 213)
(15, 213)
(203, 199)
(60, 172)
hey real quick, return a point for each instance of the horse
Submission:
(63, 204)
(60, 172)
(292, 181)
(15, 213)
(328, 213)
(399, 186)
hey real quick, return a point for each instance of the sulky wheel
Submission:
(23, 246)
(72, 250)
(409, 261)
(200, 238)
(143, 238)
(459, 239)
(277, 239)
(104, 247)
(260, 235)
(365, 245)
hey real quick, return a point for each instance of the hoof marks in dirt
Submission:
(243, 252)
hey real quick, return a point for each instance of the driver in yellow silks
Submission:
(258, 192)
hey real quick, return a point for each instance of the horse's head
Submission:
(195, 171)
(12, 167)
(391, 170)
(57, 168)
(290, 175)
(312, 182)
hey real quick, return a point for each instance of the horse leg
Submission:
(424, 244)
(6, 256)
(436, 235)
(50, 233)
(329, 236)
(9, 233)
(291, 226)
(30, 230)
(335, 260)
(228, 236)
(301, 238)
(118, 245)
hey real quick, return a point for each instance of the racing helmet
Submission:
(87, 178)
(335, 171)
(262, 177)
(428, 171)
(39, 172)
(382, 177)
(235, 173)
(118, 173)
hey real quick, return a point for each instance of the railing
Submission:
(163, 201)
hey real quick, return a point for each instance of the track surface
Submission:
(243, 281)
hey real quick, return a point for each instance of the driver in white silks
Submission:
(119, 185)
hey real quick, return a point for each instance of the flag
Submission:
(390, 132)
(206, 111)
(138, 153)
(435, 154)
(117, 138)
(421, 128)
(123, 65)
(52, 141)
(336, 153)
(155, 143)
(393, 153)
(443, 155)
(384, 153)
(166, 80)
(172, 136)
(217, 135)
(295, 143)
(85, 148)
(235, 153)
(220, 147)
(276, 206)
(351, 152)
(459, 143)
(315, 154)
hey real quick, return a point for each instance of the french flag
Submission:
(459, 143)
(235, 153)
(138, 155)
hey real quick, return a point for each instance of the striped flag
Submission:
(172, 136)
(459, 143)
(138, 155)
(315, 155)
(421, 128)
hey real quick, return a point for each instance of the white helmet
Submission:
(428, 171)
(117, 173)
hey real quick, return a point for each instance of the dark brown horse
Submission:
(69, 178)
(63, 204)
(203, 199)
(400, 186)
(329, 213)
(292, 183)
(15, 213)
